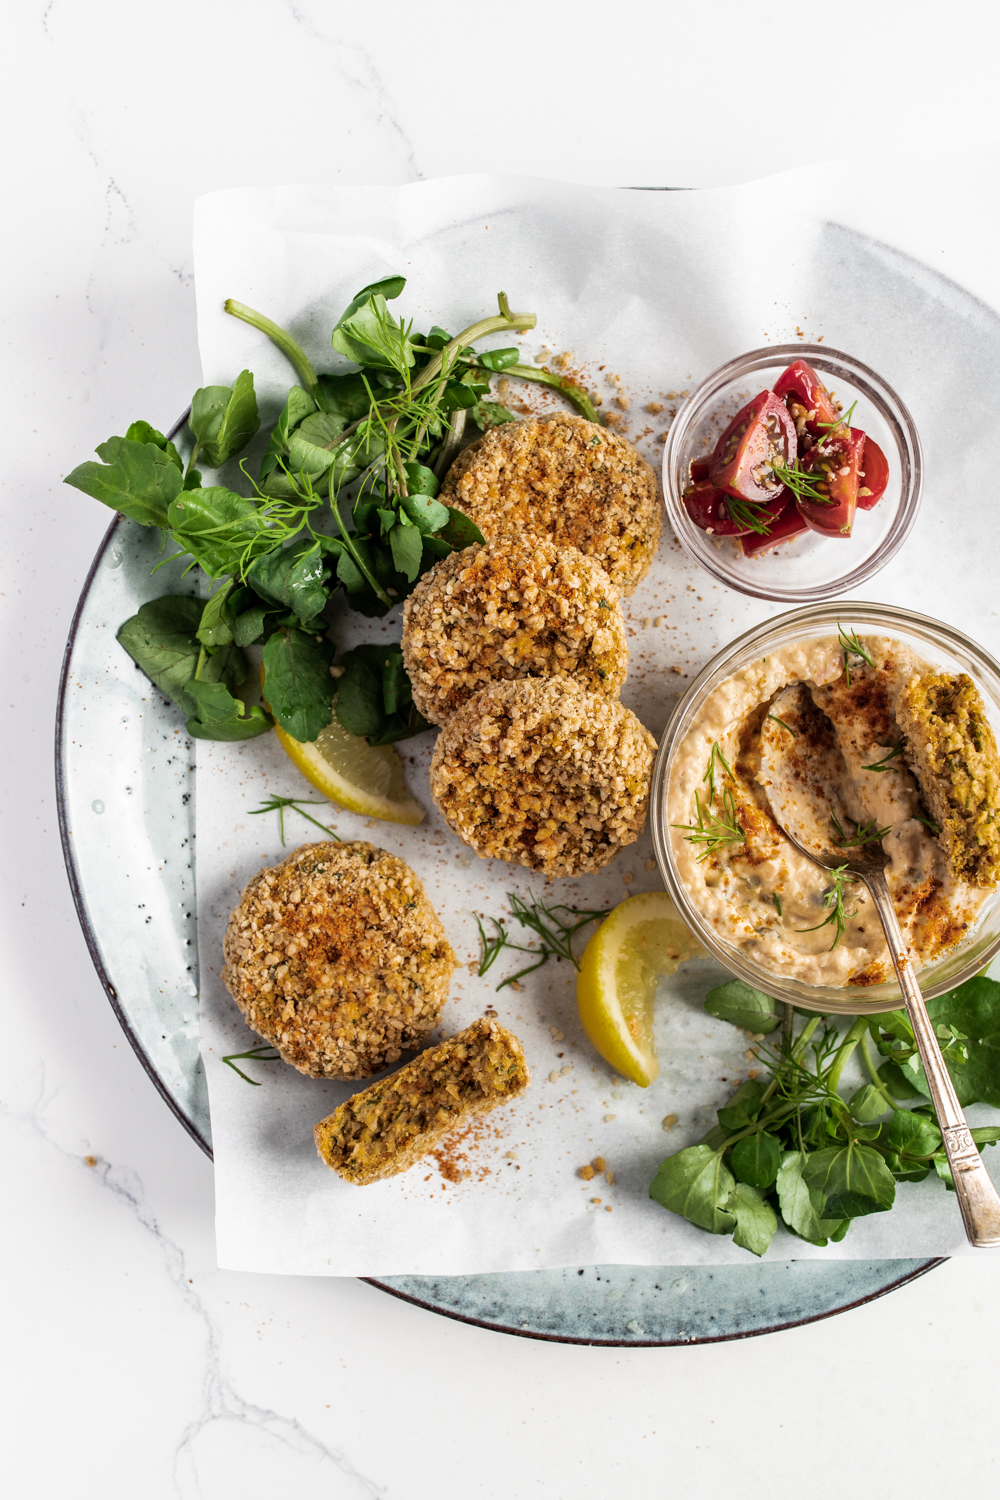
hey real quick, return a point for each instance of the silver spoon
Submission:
(791, 806)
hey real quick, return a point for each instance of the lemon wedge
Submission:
(642, 940)
(366, 779)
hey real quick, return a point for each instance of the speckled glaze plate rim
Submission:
(742, 1301)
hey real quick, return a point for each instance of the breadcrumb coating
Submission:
(516, 607)
(566, 478)
(337, 958)
(952, 752)
(541, 773)
(393, 1123)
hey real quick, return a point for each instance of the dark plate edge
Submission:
(69, 857)
(722, 1338)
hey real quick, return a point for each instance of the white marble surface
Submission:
(132, 1366)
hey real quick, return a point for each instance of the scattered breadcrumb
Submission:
(586, 1173)
(609, 1118)
(598, 1164)
(669, 1121)
(394, 1122)
(337, 958)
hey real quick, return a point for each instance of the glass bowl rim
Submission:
(894, 412)
(863, 614)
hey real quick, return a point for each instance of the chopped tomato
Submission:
(788, 524)
(701, 469)
(721, 514)
(759, 436)
(874, 473)
(808, 401)
(833, 465)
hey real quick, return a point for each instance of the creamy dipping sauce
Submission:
(758, 892)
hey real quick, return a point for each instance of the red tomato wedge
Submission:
(759, 436)
(874, 475)
(800, 386)
(788, 524)
(701, 469)
(834, 465)
(707, 508)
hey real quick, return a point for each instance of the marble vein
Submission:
(220, 1406)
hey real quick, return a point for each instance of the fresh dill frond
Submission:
(841, 421)
(801, 483)
(256, 1054)
(777, 903)
(852, 646)
(928, 823)
(833, 900)
(278, 805)
(884, 763)
(864, 833)
(713, 830)
(556, 926)
(745, 512)
(709, 776)
(791, 731)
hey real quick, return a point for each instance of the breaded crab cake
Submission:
(568, 479)
(516, 607)
(337, 958)
(542, 773)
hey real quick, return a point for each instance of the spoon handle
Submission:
(977, 1197)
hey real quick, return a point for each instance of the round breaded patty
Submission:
(568, 479)
(337, 958)
(516, 607)
(542, 773)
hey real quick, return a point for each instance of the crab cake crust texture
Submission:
(518, 607)
(568, 479)
(337, 958)
(542, 773)
(394, 1122)
(951, 750)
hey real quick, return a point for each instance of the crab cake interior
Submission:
(544, 774)
(563, 477)
(392, 1123)
(953, 754)
(337, 958)
(518, 607)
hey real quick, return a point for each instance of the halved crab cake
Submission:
(951, 750)
(337, 958)
(516, 607)
(394, 1122)
(542, 773)
(566, 478)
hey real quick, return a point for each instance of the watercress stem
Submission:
(191, 461)
(574, 393)
(873, 1075)
(518, 322)
(844, 1051)
(355, 555)
(296, 355)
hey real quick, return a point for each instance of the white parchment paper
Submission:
(656, 289)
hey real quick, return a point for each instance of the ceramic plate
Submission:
(126, 787)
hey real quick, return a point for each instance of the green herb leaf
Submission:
(374, 697)
(368, 334)
(743, 1006)
(743, 1106)
(216, 625)
(796, 1205)
(867, 1104)
(427, 515)
(345, 395)
(499, 359)
(137, 479)
(756, 1220)
(298, 406)
(911, 1134)
(460, 532)
(847, 1182)
(224, 420)
(488, 414)
(756, 1159)
(220, 716)
(695, 1184)
(162, 639)
(217, 527)
(297, 682)
(421, 480)
(142, 432)
(293, 577)
(407, 549)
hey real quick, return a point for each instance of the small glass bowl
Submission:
(943, 648)
(809, 567)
